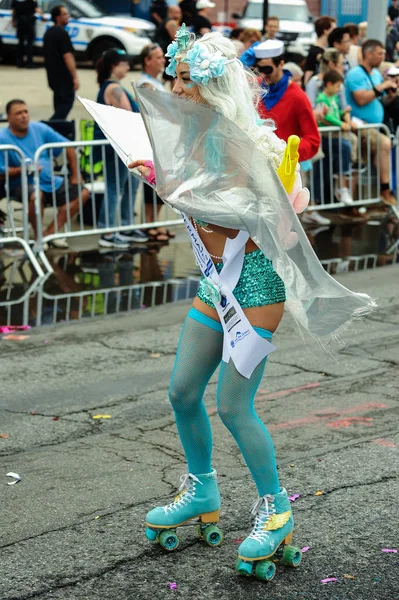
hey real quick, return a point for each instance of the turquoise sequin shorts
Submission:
(258, 285)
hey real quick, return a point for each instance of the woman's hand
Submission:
(146, 168)
(141, 165)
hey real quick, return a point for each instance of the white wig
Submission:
(236, 95)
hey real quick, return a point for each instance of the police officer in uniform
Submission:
(24, 20)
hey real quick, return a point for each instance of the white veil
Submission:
(210, 169)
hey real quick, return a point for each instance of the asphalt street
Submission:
(73, 527)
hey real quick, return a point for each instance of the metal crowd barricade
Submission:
(328, 174)
(9, 234)
(116, 299)
(130, 202)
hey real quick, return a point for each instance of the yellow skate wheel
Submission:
(212, 535)
(292, 556)
(168, 540)
(265, 570)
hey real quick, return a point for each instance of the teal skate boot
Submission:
(270, 539)
(197, 503)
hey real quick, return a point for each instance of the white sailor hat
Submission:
(269, 49)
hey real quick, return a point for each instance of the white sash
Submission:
(241, 342)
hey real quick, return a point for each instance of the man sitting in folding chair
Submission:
(62, 195)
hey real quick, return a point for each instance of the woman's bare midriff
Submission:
(266, 317)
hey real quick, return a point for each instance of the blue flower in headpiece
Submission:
(203, 65)
(171, 52)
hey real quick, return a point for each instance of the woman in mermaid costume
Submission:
(208, 74)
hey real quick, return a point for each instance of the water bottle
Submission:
(29, 166)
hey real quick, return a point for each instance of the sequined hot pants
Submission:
(258, 285)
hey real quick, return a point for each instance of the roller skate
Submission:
(270, 539)
(197, 503)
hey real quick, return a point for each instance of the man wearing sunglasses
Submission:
(284, 101)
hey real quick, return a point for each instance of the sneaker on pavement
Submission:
(136, 235)
(113, 240)
(312, 217)
(343, 195)
(59, 243)
(388, 198)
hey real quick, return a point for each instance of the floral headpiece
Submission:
(203, 65)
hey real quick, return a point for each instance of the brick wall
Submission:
(315, 7)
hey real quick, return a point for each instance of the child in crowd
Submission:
(341, 148)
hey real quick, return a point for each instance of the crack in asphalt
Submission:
(147, 553)
(138, 349)
(304, 370)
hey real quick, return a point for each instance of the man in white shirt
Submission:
(153, 61)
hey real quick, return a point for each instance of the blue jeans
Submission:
(340, 148)
(113, 170)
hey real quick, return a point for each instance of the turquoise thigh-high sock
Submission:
(235, 401)
(198, 354)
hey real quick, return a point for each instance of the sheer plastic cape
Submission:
(210, 169)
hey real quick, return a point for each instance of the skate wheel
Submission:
(265, 570)
(212, 535)
(243, 567)
(151, 534)
(168, 540)
(278, 555)
(292, 556)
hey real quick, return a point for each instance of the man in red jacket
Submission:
(284, 101)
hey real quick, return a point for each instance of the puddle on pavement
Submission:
(94, 282)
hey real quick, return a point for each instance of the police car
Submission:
(91, 30)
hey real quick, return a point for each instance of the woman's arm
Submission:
(115, 96)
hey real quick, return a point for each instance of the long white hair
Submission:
(236, 95)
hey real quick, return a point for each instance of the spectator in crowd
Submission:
(201, 22)
(153, 62)
(393, 10)
(244, 39)
(332, 60)
(235, 38)
(340, 39)
(24, 20)
(60, 63)
(354, 54)
(111, 68)
(390, 101)
(323, 27)
(189, 11)
(392, 42)
(28, 137)
(285, 102)
(296, 72)
(272, 28)
(165, 34)
(341, 148)
(158, 10)
(249, 37)
(364, 87)
(362, 32)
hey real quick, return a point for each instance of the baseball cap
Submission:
(204, 4)
(393, 71)
(116, 55)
